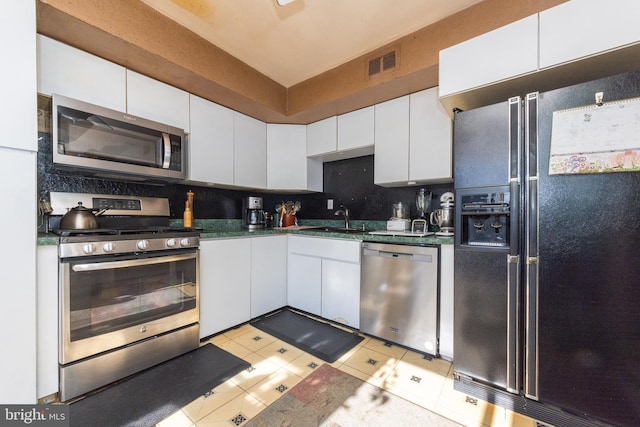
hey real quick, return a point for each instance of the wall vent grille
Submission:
(382, 63)
(389, 61)
(374, 66)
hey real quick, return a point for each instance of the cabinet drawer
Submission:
(341, 250)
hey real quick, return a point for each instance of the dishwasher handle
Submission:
(397, 255)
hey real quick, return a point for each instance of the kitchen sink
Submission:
(334, 230)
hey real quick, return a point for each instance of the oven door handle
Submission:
(94, 266)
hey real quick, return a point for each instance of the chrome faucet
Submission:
(343, 211)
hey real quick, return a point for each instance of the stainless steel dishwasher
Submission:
(399, 294)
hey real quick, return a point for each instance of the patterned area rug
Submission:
(331, 398)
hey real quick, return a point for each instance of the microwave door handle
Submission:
(166, 140)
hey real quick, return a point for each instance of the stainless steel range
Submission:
(128, 291)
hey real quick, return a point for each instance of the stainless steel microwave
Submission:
(110, 143)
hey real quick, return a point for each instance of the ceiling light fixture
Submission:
(284, 2)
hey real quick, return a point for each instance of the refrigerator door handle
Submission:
(515, 125)
(531, 248)
(514, 358)
(531, 321)
(513, 335)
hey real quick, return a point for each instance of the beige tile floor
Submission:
(277, 366)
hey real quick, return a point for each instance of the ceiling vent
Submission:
(389, 61)
(382, 64)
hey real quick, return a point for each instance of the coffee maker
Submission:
(253, 217)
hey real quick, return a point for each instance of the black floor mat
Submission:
(151, 396)
(317, 338)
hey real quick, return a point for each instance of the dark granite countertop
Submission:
(225, 229)
(364, 236)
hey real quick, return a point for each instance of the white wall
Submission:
(18, 214)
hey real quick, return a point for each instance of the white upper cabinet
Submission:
(288, 167)
(500, 54)
(18, 364)
(342, 137)
(17, 32)
(250, 152)
(225, 147)
(413, 141)
(356, 131)
(430, 139)
(391, 160)
(581, 28)
(211, 142)
(157, 101)
(322, 137)
(77, 74)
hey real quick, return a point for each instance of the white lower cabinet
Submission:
(304, 285)
(323, 278)
(244, 278)
(225, 284)
(241, 279)
(446, 301)
(47, 323)
(341, 292)
(268, 274)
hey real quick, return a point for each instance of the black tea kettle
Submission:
(81, 218)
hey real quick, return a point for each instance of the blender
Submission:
(423, 202)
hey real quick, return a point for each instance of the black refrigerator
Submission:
(547, 253)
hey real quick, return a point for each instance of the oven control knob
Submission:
(89, 248)
(142, 244)
(185, 242)
(108, 247)
(171, 243)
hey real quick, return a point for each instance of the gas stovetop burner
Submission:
(134, 225)
(97, 232)
(93, 232)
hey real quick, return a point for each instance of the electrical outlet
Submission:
(329, 203)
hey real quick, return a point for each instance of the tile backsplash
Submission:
(348, 182)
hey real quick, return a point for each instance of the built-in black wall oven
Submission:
(128, 301)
